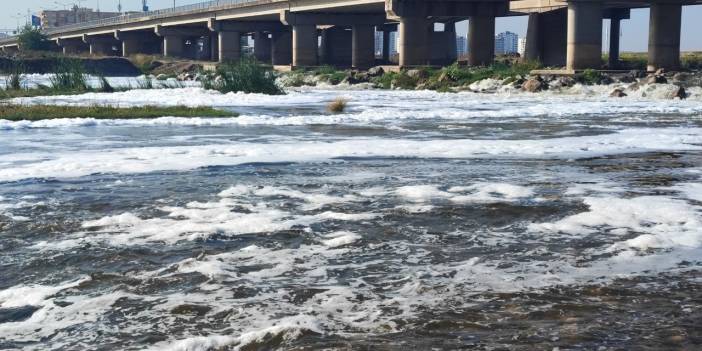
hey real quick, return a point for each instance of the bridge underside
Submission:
(342, 32)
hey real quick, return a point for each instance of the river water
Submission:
(414, 220)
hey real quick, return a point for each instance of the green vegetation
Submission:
(69, 75)
(42, 112)
(632, 60)
(591, 77)
(245, 75)
(32, 39)
(338, 105)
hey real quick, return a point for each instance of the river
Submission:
(414, 220)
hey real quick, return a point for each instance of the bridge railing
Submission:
(134, 17)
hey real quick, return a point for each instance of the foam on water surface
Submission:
(288, 227)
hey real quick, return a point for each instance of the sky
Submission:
(634, 31)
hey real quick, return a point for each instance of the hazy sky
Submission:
(634, 31)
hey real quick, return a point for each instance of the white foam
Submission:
(149, 159)
(337, 239)
(33, 295)
(289, 329)
(667, 223)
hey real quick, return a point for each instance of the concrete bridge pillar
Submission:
(102, 46)
(584, 35)
(386, 47)
(664, 36)
(173, 46)
(337, 46)
(481, 40)
(72, 46)
(443, 45)
(281, 48)
(614, 31)
(304, 45)
(262, 47)
(229, 46)
(546, 40)
(363, 46)
(214, 47)
(414, 41)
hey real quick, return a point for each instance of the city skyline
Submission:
(634, 31)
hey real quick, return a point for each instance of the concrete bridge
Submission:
(303, 33)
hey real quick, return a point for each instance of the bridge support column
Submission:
(337, 47)
(101, 45)
(443, 45)
(173, 46)
(229, 46)
(262, 47)
(547, 38)
(72, 46)
(281, 48)
(214, 47)
(584, 35)
(414, 41)
(481, 40)
(664, 36)
(386, 47)
(614, 31)
(305, 45)
(362, 46)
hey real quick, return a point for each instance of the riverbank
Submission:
(44, 112)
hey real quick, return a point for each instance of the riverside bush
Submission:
(245, 75)
(69, 75)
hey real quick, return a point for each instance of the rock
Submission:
(606, 80)
(626, 78)
(161, 77)
(660, 72)
(533, 85)
(350, 80)
(681, 77)
(619, 93)
(656, 79)
(563, 82)
(680, 93)
(637, 73)
(417, 73)
(488, 84)
(362, 77)
(376, 71)
(154, 65)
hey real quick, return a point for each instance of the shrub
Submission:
(13, 81)
(591, 77)
(33, 39)
(245, 75)
(338, 105)
(69, 75)
(105, 86)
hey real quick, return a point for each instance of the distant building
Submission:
(522, 46)
(461, 45)
(3, 35)
(378, 43)
(506, 43)
(53, 19)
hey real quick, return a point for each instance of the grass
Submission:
(245, 75)
(43, 112)
(69, 75)
(338, 105)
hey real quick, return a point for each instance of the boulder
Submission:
(445, 77)
(417, 73)
(660, 72)
(376, 71)
(619, 93)
(681, 77)
(637, 73)
(533, 85)
(656, 79)
(161, 77)
(680, 93)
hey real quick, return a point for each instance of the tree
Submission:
(33, 39)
